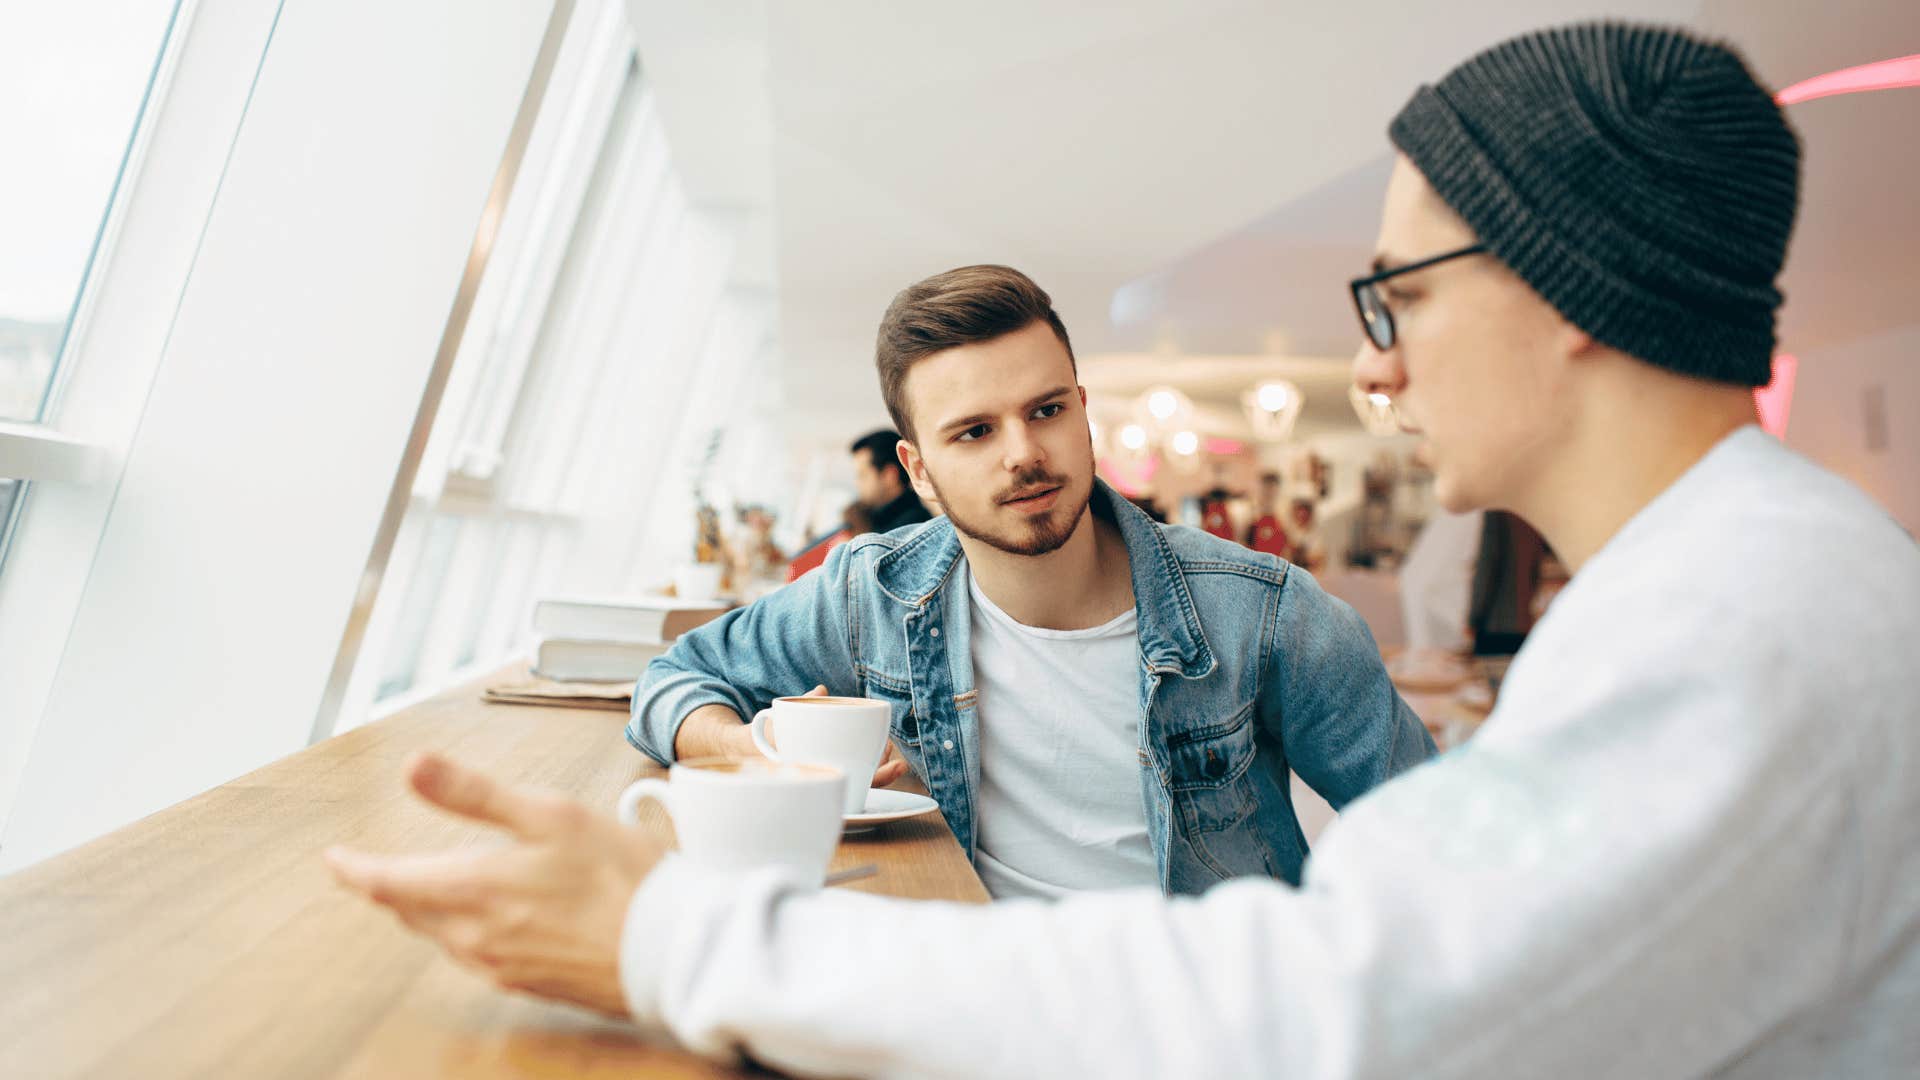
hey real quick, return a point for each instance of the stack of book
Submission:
(611, 640)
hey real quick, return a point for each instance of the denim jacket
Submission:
(1247, 670)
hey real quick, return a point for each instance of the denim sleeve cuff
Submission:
(659, 711)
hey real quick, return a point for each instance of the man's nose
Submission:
(1022, 450)
(1377, 372)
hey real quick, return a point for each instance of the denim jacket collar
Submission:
(1171, 640)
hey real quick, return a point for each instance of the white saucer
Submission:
(885, 805)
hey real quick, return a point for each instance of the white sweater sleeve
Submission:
(1639, 882)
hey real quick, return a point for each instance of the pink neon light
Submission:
(1775, 400)
(1225, 447)
(1883, 75)
(1130, 482)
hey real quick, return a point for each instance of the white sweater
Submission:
(1684, 844)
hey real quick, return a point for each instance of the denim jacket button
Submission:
(948, 745)
(936, 631)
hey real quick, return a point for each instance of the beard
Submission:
(1039, 534)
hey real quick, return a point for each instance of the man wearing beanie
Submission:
(1683, 845)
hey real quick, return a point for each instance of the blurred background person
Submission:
(1266, 533)
(1305, 547)
(882, 484)
(884, 502)
(1215, 517)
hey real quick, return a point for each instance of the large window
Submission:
(194, 527)
(197, 514)
(582, 392)
(73, 79)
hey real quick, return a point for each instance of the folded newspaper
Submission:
(611, 696)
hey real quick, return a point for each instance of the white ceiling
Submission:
(1190, 177)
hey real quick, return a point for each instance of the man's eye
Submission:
(977, 431)
(1398, 296)
(1048, 412)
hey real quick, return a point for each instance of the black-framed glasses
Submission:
(1375, 319)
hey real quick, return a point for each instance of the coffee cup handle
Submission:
(758, 729)
(640, 791)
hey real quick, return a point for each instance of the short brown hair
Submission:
(967, 306)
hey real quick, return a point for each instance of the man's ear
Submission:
(916, 468)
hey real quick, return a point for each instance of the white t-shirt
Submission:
(1059, 718)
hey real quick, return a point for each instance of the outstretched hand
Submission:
(542, 914)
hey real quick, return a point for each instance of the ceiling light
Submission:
(1272, 407)
(1375, 411)
(1163, 410)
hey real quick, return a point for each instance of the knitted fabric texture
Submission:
(1638, 178)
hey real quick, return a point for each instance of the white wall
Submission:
(251, 495)
(1830, 422)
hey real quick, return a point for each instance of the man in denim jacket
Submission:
(1094, 700)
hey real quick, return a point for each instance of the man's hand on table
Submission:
(541, 914)
(716, 731)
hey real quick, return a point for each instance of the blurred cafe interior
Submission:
(378, 377)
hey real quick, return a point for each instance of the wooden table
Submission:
(1449, 719)
(209, 940)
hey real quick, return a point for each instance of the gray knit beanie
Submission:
(1638, 178)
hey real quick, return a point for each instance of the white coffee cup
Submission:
(741, 815)
(847, 733)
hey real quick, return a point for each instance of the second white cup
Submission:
(844, 733)
(741, 815)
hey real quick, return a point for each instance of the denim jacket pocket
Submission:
(1216, 800)
(904, 728)
(1205, 767)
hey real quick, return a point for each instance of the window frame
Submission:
(212, 661)
(70, 460)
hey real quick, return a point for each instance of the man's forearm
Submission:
(712, 731)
